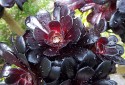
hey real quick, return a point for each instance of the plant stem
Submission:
(121, 69)
(14, 26)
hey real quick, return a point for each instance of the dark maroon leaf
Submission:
(66, 23)
(75, 32)
(39, 35)
(55, 26)
(11, 79)
(14, 75)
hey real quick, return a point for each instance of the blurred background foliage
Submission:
(31, 8)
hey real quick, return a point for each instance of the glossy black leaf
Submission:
(45, 67)
(103, 69)
(85, 74)
(20, 44)
(33, 57)
(69, 67)
(117, 19)
(89, 59)
(54, 73)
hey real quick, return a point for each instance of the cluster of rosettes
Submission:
(58, 50)
(111, 11)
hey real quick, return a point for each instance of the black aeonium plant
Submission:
(59, 50)
(56, 32)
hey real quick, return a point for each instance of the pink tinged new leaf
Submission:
(55, 26)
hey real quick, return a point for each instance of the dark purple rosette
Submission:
(108, 49)
(56, 31)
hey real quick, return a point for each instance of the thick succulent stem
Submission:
(14, 26)
(121, 69)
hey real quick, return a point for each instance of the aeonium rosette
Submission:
(108, 49)
(19, 75)
(56, 32)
